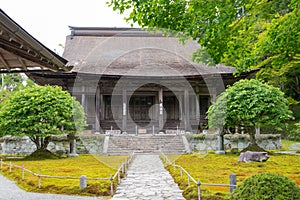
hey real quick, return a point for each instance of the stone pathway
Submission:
(147, 179)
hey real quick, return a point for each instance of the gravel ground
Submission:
(9, 191)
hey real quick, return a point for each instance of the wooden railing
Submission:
(232, 185)
(82, 179)
(122, 169)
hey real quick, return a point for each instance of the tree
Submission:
(11, 81)
(249, 104)
(39, 112)
(244, 34)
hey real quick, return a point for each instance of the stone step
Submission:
(126, 144)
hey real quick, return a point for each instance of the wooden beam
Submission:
(27, 54)
(22, 63)
(4, 63)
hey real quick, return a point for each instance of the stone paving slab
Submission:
(147, 179)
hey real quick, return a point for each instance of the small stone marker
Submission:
(83, 182)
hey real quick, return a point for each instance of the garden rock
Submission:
(249, 156)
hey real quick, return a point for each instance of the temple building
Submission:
(130, 80)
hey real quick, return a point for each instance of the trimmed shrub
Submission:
(267, 186)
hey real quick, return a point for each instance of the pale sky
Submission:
(48, 20)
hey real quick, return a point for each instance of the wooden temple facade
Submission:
(129, 80)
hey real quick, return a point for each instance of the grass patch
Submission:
(90, 165)
(217, 168)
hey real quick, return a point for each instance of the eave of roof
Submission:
(19, 44)
(112, 31)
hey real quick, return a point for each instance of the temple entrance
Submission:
(171, 106)
(140, 109)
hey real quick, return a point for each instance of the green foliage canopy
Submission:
(244, 34)
(249, 103)
(39, 112)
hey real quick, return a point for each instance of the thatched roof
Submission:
(132, 52)
(21, 52)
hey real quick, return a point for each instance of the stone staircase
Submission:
(152, 144)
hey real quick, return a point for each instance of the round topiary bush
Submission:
(267, 186)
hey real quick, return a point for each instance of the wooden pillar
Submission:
(102, 107)
(180, 107)
(197, 107)
(98, 110)
(198, 118)
(161, 108)
(83, 98)
(214, 95)
(125, 107)
(193, 109)
(186, 110)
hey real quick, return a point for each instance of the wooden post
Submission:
(197, 109)
(39, 178)
(10, 166)
(232, 182)
(123, 168)
(111, 185)
(124, 116)
(189, 179)
(1, 163)
(199, 191)
(161, 109)
(119, 178)
(97, 121)
(22, 172)
(186, 110)
(180, 171)
(83, 98)
(153, 131)
(39, 181)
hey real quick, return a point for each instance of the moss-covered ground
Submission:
(90, 165)
(212, 168)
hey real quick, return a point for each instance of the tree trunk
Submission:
(257, 130)
(41, 142)
(252, 138)
(36, 141)
(45, 142)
